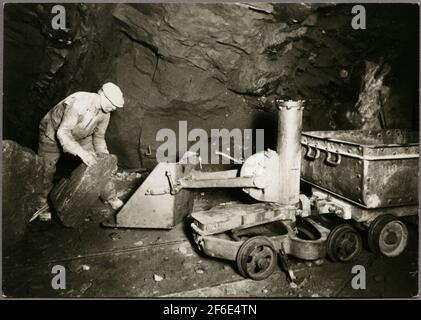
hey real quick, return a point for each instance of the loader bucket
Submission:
(152, 205)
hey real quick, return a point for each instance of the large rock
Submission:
(23, 185)
(76, 198)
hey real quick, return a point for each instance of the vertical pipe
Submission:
(289, 150)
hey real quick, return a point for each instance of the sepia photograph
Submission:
(173, 150)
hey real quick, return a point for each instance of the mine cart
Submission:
(253, 235)
(361, 180)
(368, 179)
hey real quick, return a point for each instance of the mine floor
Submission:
(103, 262)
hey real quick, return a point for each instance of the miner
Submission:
(77, 125)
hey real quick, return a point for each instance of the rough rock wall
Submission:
(213, 65)
(23, 185)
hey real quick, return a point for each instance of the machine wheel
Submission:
(388, 236)
(256, 258)
(344, 243)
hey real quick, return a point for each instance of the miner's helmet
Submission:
(113, 93)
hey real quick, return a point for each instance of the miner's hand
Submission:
(89, 158)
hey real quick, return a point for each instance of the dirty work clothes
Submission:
(73, 123)
(51, 159)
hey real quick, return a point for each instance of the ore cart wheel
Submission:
(344, 243)
(388, 236)
(256, 258)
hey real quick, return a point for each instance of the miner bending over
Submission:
(77, 125)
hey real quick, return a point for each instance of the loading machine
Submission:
(329, 222)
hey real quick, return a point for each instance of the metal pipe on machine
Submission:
(289, 150)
